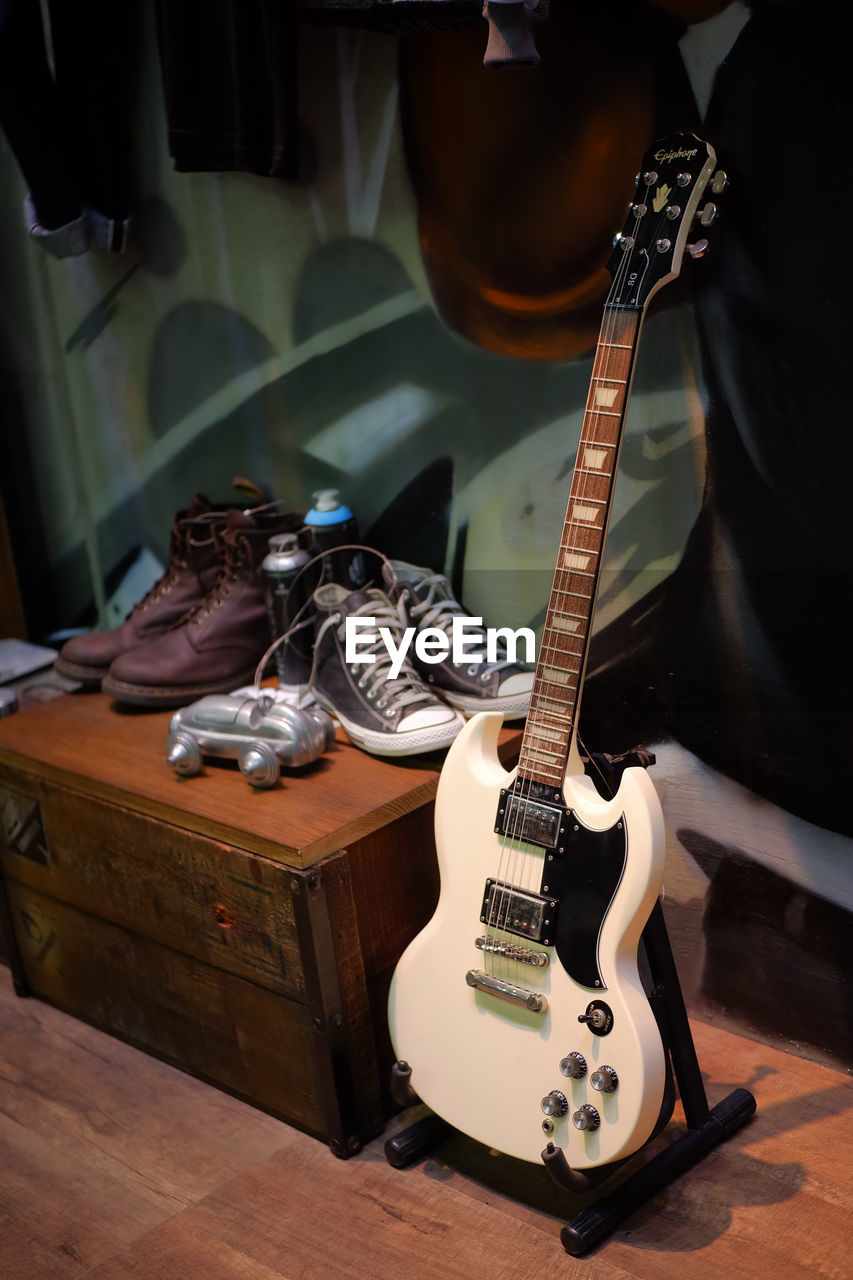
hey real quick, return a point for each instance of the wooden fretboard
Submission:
(554, 704)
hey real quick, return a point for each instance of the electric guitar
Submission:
(519, 1007)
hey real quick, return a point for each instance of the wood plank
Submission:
(61, 1214)
(387, 1224)
(136, 1120)
(116, 1165)
(176, 1249)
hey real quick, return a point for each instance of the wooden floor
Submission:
(113, 1164)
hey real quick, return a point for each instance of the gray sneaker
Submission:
(475, 685)
(386, 716)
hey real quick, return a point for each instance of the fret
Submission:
(562, 623)
(548, 733)
(560, 645)
(542, 753)
(602, 413)
(556, 675)
(543, 697)
(582, 512)
(536, 714)
(564, 591)
(624, 346)
(576, 563)
(549, 648)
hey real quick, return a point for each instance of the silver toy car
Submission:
(254, 726)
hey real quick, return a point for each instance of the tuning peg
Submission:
(697, 249)
(707, 215)
(719, 182)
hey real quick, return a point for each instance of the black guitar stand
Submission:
(707, 1127)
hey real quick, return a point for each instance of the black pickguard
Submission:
(582, 871)
(584, 879)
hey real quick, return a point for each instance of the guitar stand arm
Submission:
(401, 1085)
(410, 1144)
(574, 1180)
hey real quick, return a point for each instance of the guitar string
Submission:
(580, 491)
(512, 853)
(508, 873)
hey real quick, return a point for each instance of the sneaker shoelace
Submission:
(389, 695)
(430, 611)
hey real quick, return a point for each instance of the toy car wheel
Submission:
(183, 754)
(259, 764)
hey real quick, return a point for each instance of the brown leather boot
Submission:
(194, 561)
(217, 646)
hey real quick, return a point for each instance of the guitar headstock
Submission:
(672, 203)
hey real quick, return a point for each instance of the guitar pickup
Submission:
(520, 818)
(527, 915)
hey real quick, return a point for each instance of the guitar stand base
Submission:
(416, 1141)
(599, 1219)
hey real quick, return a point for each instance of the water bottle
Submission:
(279, 569)
(331, 525)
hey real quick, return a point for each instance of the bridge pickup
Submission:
(520, 818)
(531, 1000)
(509, 951)
(527, 915)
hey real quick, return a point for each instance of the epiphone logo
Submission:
(683, 153)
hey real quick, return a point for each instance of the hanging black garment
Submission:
(230, 83)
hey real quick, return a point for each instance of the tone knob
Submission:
(586, 1118)
(574, 1065)
(604, 1079)
(555, 1103)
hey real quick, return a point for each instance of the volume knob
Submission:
(604, 1079)
(586, 1118)
(573, 1065)
(555, 1103)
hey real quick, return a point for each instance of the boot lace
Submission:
(169, 578)
(234, 559)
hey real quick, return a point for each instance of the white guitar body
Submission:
(483, 1063)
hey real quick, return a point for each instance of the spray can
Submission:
(279, 569)
(332, 524)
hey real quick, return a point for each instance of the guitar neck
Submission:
(555, 701)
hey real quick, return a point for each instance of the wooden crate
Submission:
(246, 936)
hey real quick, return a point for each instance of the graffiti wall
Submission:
(406, 312)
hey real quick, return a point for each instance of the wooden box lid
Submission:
(89, 743)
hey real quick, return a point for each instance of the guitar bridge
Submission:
(511, 951)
